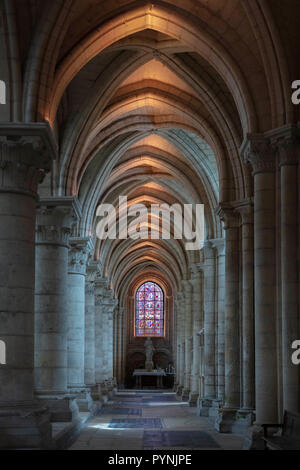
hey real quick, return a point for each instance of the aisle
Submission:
(151, 420)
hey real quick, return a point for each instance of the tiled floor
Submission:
(151, 420)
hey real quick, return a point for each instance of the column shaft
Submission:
(54, 221)
(188, 321)
(262, 158)
(89, 350)
(289, 157)
(209, 321)
(78, 256)
(248, 379)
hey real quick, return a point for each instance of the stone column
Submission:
(219, 245)
(115, 330)
(23, 423)
(196, 282)
(55, 217)
(89, 351)
(100, 287)
(188, 322)
(258, 151)
(209, 320)
(78, 256)
(176, 344)
(248, 386)
(120, 356)
(108, 312)
(226, 419)
(288, 145)
(181, 336)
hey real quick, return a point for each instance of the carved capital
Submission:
(78, 255)
(219, 245)
(26, 154)
(23, 165)
(246, 210)
(92, 271)
(287, 142)
(55, 218)
(228, 216)
(258, 150)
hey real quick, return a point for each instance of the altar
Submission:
(140, 373)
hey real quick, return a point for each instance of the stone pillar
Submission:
(108, 314)
(288, 145)
(120, 355)
(178, 339)
(196, 282)
(248, 386)
(55, 217)
(100, 287)
(176, 343)
(258, 151)
(226, 420)
(78, 256)
(181, 337)
(115, 352)
(219, 245)
(209, 321)
(89, 351)
(23, 423)
(188, 323)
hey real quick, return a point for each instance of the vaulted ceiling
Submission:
(152, 100)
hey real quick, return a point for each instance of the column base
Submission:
(254, 438)
(103, 392)
(75, 389)
(86, 403)
(232, 420)
(25, 427)
(95, 393)
(185, 394)
(193, 399)
(179, 390)
(62, 408)
(203, 406)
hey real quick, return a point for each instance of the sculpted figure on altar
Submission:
(149, 349)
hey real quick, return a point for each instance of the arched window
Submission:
(149, 320)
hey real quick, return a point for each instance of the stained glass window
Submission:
(149, 310)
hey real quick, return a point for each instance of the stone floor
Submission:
(148, 420)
